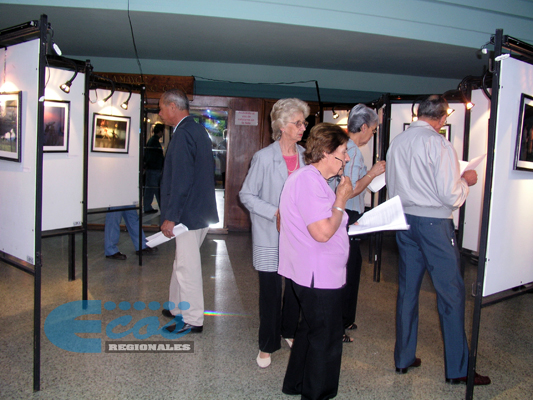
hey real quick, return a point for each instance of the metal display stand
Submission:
(95, 82)
(523, 52)
(38, 30)
(33, 30)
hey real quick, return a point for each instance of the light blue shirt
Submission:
(355, 169)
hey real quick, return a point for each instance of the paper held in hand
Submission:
(472, 164)
(377, 183)
(158, 238)
(387, 216)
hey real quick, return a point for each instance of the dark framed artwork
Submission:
(445, 131)
(10, 127)
(111, 134)
(56, 126)
(524, 139)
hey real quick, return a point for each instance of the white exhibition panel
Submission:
(114, 177)
(19, 72)
(509, 249)
(63, 172)
(479, 132)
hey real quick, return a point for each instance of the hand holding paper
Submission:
(472, 164)
(387, 216)
(158, 238)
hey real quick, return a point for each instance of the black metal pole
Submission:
(43, 45)
(484, 219)
(85, 261)
(142, 142)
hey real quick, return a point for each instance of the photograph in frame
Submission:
(10, 129)
(445, 131)
(56, 126)
(524, 140)
(111, 134)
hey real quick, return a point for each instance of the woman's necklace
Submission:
(296, 166)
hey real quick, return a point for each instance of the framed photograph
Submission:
(56, 126)
(444, 131)
(10, 129)
(524, 139)
(111, 134)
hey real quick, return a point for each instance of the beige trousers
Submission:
(186, 281)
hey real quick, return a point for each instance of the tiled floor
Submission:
(223, 363)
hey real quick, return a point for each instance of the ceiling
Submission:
(91, 33)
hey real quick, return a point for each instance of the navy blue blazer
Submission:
(188, 181)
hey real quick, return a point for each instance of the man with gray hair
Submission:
(423, 169)
(187, 197)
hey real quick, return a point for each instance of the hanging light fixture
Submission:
(125, 104)
(102, 102)
(65, 87)
(335, 115)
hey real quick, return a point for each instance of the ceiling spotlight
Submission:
(449, 111)
(125, 104)
(335, 115)
(65, 87)
(469, 105)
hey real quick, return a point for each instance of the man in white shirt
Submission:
(423, 169)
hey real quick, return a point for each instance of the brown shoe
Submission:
(117, 256)
(479, 380)
(417, 363)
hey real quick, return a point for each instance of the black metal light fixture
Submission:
(125, 104)
(335, 115)
(65, 87)
(104, 100)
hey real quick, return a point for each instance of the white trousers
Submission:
(186, 281)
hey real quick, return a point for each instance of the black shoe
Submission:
(152, 211)
(186, 326)
(415, 364)
(167, 313)
(478, 380)
(351, 327)
(117, 256)
(147, 251)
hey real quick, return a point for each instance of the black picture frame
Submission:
(56, 126)
(10, 126)
(524, 139)
(111, 134)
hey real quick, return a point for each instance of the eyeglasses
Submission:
(375, 131)
(300, 123)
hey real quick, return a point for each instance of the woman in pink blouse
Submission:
(313, 251)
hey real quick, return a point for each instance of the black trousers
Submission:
(276, 319)
(350, 290)
(315, 360)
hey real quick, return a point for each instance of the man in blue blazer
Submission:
(187, 197)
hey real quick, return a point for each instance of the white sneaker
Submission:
(263, 362)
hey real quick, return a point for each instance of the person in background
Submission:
(187, 197)
(362, 125)
(313, 251)
(153, 164)
(112, 233)
(260, 194)
(423, 169)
